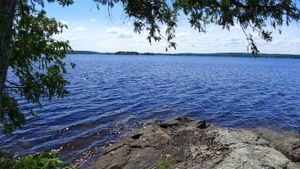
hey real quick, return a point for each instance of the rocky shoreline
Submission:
(188, 143)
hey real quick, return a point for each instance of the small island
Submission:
(127, 53)
(79, 52)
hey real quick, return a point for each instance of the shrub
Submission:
(45, 160)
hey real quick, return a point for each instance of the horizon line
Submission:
(179, 53)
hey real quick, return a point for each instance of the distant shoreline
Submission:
(295, 56)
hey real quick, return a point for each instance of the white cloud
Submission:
(79, 28)
(188, 40)
(235, 27)
(113, 30)
(93, 19)
(125, 35)
(64, 22)
(296, 41)
(276, 42)
(182, 34)
(234, 39)
(120, 32)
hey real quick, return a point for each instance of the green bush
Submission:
(6, 160)
(45, 160)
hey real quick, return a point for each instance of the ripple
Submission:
(114, 94)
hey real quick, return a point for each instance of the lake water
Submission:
(112, 94)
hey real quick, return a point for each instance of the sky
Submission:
(94, 30)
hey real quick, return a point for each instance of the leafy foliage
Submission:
(60, 2)
(37, 60)
(45, 160)
(10, 115)
(6, 160)
(255, 15)
(150, 15)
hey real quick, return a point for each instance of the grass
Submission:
(166, 164)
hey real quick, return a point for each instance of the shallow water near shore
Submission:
(113, 94)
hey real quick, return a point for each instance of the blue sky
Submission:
(92, 29)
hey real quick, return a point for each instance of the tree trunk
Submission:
(7, 12)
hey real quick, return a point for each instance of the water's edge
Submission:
(115, 94)
(185, 143)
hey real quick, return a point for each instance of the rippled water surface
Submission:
(111, 94)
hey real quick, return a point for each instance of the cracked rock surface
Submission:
(194, 144)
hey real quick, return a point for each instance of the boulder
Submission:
(188, 143)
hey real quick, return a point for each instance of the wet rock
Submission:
(137, 136)
(296, 155)
(195, 144)
(202, 125)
